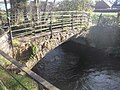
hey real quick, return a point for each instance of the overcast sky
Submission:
(48, 0)
(32, 0)
(2, 6)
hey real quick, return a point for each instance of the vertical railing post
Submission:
(76, 19)
(80, 19)
(50, 25)
(62, 21)
(72, 21)
(89, 19)
(98, 23)
(10, 32)
(33, 27)
(118, 17)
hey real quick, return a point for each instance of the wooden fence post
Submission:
(71, 21)
(98, 23)
(62, 21)
(9, 28)
(50, 25)
(118, 17)
(80, 18)
(76, 19)
(33, 27)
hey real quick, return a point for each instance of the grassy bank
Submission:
(8, 83)
(107, 18)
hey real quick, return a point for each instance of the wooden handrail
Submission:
(50, 21)
(29, 72)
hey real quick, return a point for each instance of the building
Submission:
(103, 4)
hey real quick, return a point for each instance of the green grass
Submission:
(16, 42)
(109, 18)
(3, 61)
(10, 83)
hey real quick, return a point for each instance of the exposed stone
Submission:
(44, 44)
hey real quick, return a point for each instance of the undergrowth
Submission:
(10, 83)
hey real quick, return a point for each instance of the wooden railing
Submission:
(50, 21)
(45, 85)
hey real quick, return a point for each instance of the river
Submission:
(75, 66)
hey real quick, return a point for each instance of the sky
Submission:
(2, 6)
(32, 0)
(41, 0)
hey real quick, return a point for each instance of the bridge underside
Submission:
(77, 66)
(83, 62)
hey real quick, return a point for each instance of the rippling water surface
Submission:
(74, 66)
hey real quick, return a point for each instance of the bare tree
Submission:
(35, 15)
(7, 12)
(16, 8)
(45, 7)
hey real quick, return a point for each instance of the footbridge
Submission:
(48, 31)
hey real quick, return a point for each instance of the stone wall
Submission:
(4, 43)
(44, 44)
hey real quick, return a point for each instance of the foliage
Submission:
(2, 86)
(34, 50)
(16, 42)
(106, 19)
(21, 0)
(3, 61)
(11, 84)
(95, 18)
(85, 27)
(74, 5)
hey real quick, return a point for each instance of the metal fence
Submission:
(50, 21)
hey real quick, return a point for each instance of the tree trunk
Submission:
(45, 7)
(11, 13)
(35, 14)
(25, 12)
(7, 12)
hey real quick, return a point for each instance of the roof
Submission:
(108, 3)
(103, 4)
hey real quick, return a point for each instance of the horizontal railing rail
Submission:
(49, 21)
(30, 73)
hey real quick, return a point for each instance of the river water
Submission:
(75, 66)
